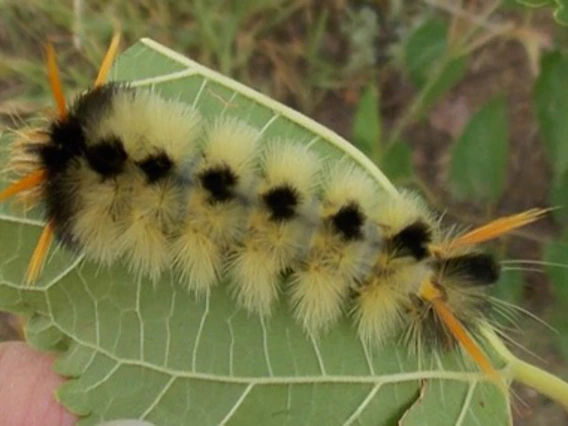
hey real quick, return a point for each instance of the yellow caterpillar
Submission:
(125, 175)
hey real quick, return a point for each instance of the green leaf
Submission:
(559, 197)
(447, 77)
(560, 6)
(556, 259)
(551, 105)
(367, 123)
(425, 46)
(510, 287)
(134, 349)
(397, 162)
(428, 62)
(478, 167)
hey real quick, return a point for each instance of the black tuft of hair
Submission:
(61, 156)
(67, 139)
(412, 241)
(474, 268)
(66, 142)
(281, 201)
(66, 145)
(432, 332)
(348, 222)
(91, 106)
(156, 166)
(107, 157)
(60, 206)
(220, 182)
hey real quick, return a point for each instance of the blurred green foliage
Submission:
(478, 166)
(479, 156)
(560, 8)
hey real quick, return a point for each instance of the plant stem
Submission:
(530, 375)
(540, 380)
(417, 103)
(465, 47)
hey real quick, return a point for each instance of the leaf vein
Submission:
(22, 220)
(96, 306)
(168, 330)
(231, 345)
(351, 420)
(318, 356)
(165, 78)
(265, 347)
(102, 379)
(466, 403)
(268, 124)
(158, 398)
(201, 89)
(140, 319)
(238, 403)
(460, 376)
(199, 332)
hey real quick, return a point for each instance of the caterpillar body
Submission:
(125, 175)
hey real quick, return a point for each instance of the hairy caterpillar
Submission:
(126, 175)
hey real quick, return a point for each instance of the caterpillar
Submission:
(125, 175)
